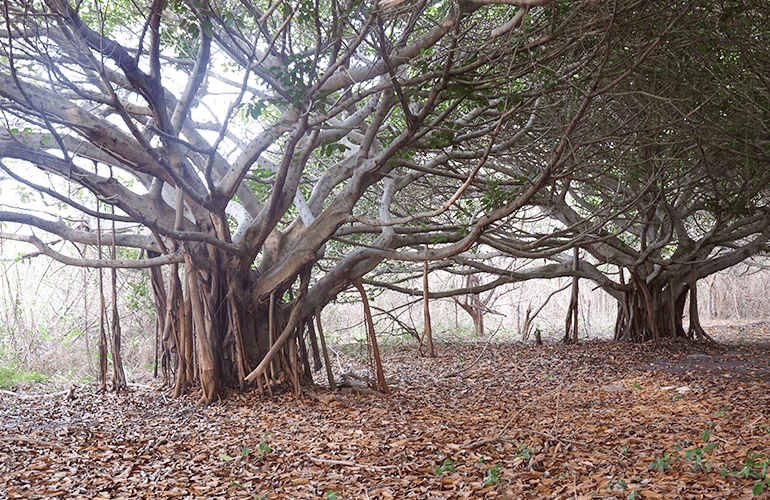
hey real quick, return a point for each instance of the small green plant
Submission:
(523, 451)
(331, 495)
(723, 411)
(697, 454)
(493, 475)
(262, 448)
(664, 463)
(677, 396)
(448, 466)
(707, 433)
(235, 484)
(633, 495)
(755, 467)
(637, 386)
(683, 444)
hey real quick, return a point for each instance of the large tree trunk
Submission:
(223, 335)
(652, 311)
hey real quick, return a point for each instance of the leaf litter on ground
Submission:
(594, 420)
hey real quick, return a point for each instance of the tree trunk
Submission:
(102, 312)
(220, 337)
(427, 333)
(329, 373)
(696, 331)
(473, 305)
(162, 357)
(381, 385)
(652, 311)
(571, 324)
(118, 374)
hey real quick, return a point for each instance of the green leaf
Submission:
(758, 488)
(226, 457)
(207, 27)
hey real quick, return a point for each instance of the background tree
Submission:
(669, 184)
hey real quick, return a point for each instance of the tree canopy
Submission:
(671, 185)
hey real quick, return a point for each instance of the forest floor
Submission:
(595, 420)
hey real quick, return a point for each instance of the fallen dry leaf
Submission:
(596, 420)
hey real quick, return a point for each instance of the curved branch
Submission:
(169, 258)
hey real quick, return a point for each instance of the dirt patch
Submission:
(743, 363)
(741, 352)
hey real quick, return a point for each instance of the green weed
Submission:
(493, 475)
(448, 466)
(696, 455)
(755, 467)
(633, 495)
(525, 452)
(664, 463)
(12, 377)
(611, 485)
(262, 448)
